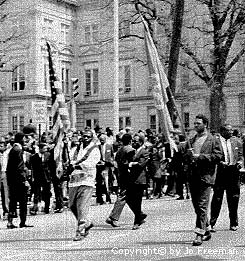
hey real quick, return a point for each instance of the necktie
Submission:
(228, 154)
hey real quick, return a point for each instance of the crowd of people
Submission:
(130, 165)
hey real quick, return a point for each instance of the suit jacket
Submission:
(16, 169)
(123, 156)
(203, 167)
(41, 170)
(237, 150)
(138, 171)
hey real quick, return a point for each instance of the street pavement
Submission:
(166, 235)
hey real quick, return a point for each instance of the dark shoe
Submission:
(11, 226)
(213, 230)
(33, 212)
(111, 222)
(207, 236)
(170, 194)
(79, 236)
(180, 198)
(197, 241)
(233, 228)
(88, 228)
(25, 226)
(136, 226)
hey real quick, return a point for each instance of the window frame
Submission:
(18, 78)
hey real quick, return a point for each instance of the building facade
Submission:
(80, 35)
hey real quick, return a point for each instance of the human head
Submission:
(2, 144)
(201, 123)
(126, 139)
(102, 139)
(109, 131)
(138, 141)
(19, 138)
(87, 137)
(226, 131)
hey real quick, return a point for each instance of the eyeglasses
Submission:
(86, 136)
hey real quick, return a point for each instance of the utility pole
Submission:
(116, 71)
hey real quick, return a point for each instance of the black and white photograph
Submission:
(122, 130)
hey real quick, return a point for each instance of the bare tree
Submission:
(12, 31)
(220, 24)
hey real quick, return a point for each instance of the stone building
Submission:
(80, 35)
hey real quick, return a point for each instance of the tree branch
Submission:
(235, 60)
(184, 65)
(197, 61)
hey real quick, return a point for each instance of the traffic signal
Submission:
(75, 87)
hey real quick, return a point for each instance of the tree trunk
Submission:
(174, 51)
(217, 106)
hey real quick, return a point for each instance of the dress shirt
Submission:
(200, 139)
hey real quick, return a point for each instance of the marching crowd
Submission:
(130, 165)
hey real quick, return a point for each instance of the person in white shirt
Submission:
(227, 178)
(82, 183)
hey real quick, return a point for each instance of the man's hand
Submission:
(132, 164)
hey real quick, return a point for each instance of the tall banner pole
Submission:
(116, 71)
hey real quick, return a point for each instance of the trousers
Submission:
(79, 203)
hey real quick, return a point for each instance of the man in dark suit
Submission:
(104, 168)
(204, 154)
(228, 177)
(41, 167)
(123, 156)
(137, 180)
(17, 182)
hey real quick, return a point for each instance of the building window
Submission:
(91, 33)
(88, 123)
(14, 123)
(65, 31)
(127, 121)
(18, 123)
(18, 78)
(22, 122)
(48, 28)
(121, 123)
(243, 112)
(125, 79)
(124, 28)
(65, 79)
(96, 122)
(91, 81)
(153, 122)
(92, 123)
(124, 122)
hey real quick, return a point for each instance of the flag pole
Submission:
(116, 71)
(162, 84)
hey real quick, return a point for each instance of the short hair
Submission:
(223, 127)
(126, 139)
(203, 118)
(19, 137)
(141, 137)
